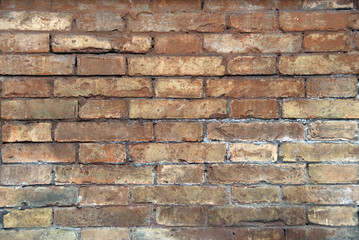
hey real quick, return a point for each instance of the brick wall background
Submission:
(179, 119)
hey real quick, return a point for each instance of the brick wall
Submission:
(170, 119)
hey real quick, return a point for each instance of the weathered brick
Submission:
(235, 216)
(26, 87)
(259, 233)
(256, 131)
(333, 130)
(103, 195)
(225, 5)
(256, 173)
(356, 39)
(166, 22)
(94, 6)
(99, 21)
(333, 216)
(248, 43)
(319, 64)
(23, 132)
(319, 152)
(254, 108)
(107, 87)
(255, 194)
(100, 43)
(179, 88)
(39, 109)
(327, 4)
(179, 174)
(101, 65)
(182, 233)
(253, 22)
(163, 108)
(176, 66)
(179, 131)
(251, 65)
(310, 108)
(180, 216)
(38, 217)
(103, 109)
(249, 5)
(179, 195)
(35, 21)
(255, 88)
(103, 174)
(244, 152)
(38, 196)
(321, 194)
(178, 44)
(103, 217)
(102, 153)
(38, 152)
(178, 152)
(21, 42)
(50, 234)
(105, 233)
(25, 5)
(103, 131)
(314, 21)
(332, 173)
(326, 42)
(25, 174)
(331, 87)
(175, 5)
(37, 65)
(313, 233)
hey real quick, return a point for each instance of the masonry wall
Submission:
(171, 119)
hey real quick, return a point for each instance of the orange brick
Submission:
(251, 65)
(326, 42)
(101, 65)
(178, 44)
(179, 131)
(103, 109)
(254, 109)
(30, 132)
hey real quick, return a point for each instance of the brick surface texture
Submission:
(179, 119)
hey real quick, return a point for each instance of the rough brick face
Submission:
(179, 119)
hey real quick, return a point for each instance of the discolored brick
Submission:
(180, 216)
(331, 87)
(51, 234)
(38, 217)
(332, 173)
(179, 174)
(103, 109)
(333, 130)
(26, 87)
(326, 42)
(103, 195)
(20, 132)
(179, 131)
(102, 153)
(11, 174)
(254, 108)
(21, 42)
(178, 44)
(101, 65)
(179, 88)
(333, 216)
(244, 152)
(253, 22)
(108, 234)
(255, 194)
(251, 65)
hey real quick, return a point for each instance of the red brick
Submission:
(178, 152)
(101, 65)
(103, 217)
(235, 215)
(29, 132)
(326, 42)
(166, 22)
(247, 43)
(333, 130)
(39, 109)
(255, 88)
(179, 131)
(254, 22)
(176, 66)
(167, 109)
(103, 131)
(99, 21)
(102, 153)
(314, 21)
(178, 44)
(11, 174)
(256, 131)
(35, 21)
(103, 174)
(103, 109)
(333, 173)
(107, 87)
(179, 195)
(254, 109)
(319, 64)
(256, 173)
(37, 65)
(251, 65)
(38, 152)
(21, 42)
(179, 88)
(322, 194)
(103, 195)
(331, 87)
(26, 87)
